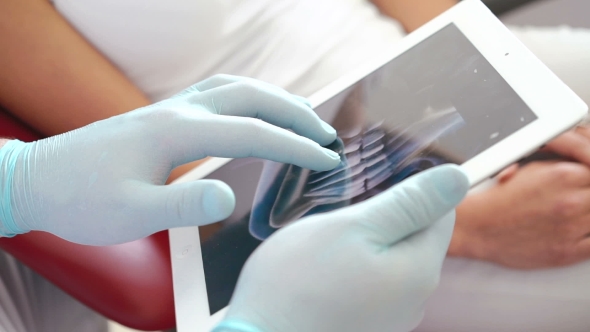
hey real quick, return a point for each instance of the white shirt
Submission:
(165, 46)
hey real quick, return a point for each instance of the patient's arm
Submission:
(413, 13)
(51, 77)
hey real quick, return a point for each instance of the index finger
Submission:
(257, 100)
(238, 137)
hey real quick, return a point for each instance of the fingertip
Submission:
(328, 162)
(312, 127)
(324, 134)
(218, 201)
(451, 182)
(330, 134)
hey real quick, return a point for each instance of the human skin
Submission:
(413, 14)
(55, 81)
(537, 216)
(52, 78)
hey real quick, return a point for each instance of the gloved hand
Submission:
(368, 267)
(104, 183)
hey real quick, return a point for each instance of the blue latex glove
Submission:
(104, 183)
(368, 267)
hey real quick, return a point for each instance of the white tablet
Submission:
(461, 89)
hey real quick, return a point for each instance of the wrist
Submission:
(459, 246)
(11, 152)
(464, 242)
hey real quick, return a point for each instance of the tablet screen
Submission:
(439, 102)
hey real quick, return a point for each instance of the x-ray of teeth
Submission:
(374, 157)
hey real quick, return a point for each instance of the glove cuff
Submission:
(234, 325)
(9, 154)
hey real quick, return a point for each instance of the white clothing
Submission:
(302, 45)
(165, 46)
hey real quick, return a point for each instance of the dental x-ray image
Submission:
(372, 160)
(439, 102)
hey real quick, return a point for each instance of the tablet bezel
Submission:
(557, 107)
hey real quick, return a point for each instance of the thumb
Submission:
(413, 204)
(188, 204)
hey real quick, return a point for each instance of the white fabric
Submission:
(164, 46)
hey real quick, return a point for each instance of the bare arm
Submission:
(413, 13)
(52, 78)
